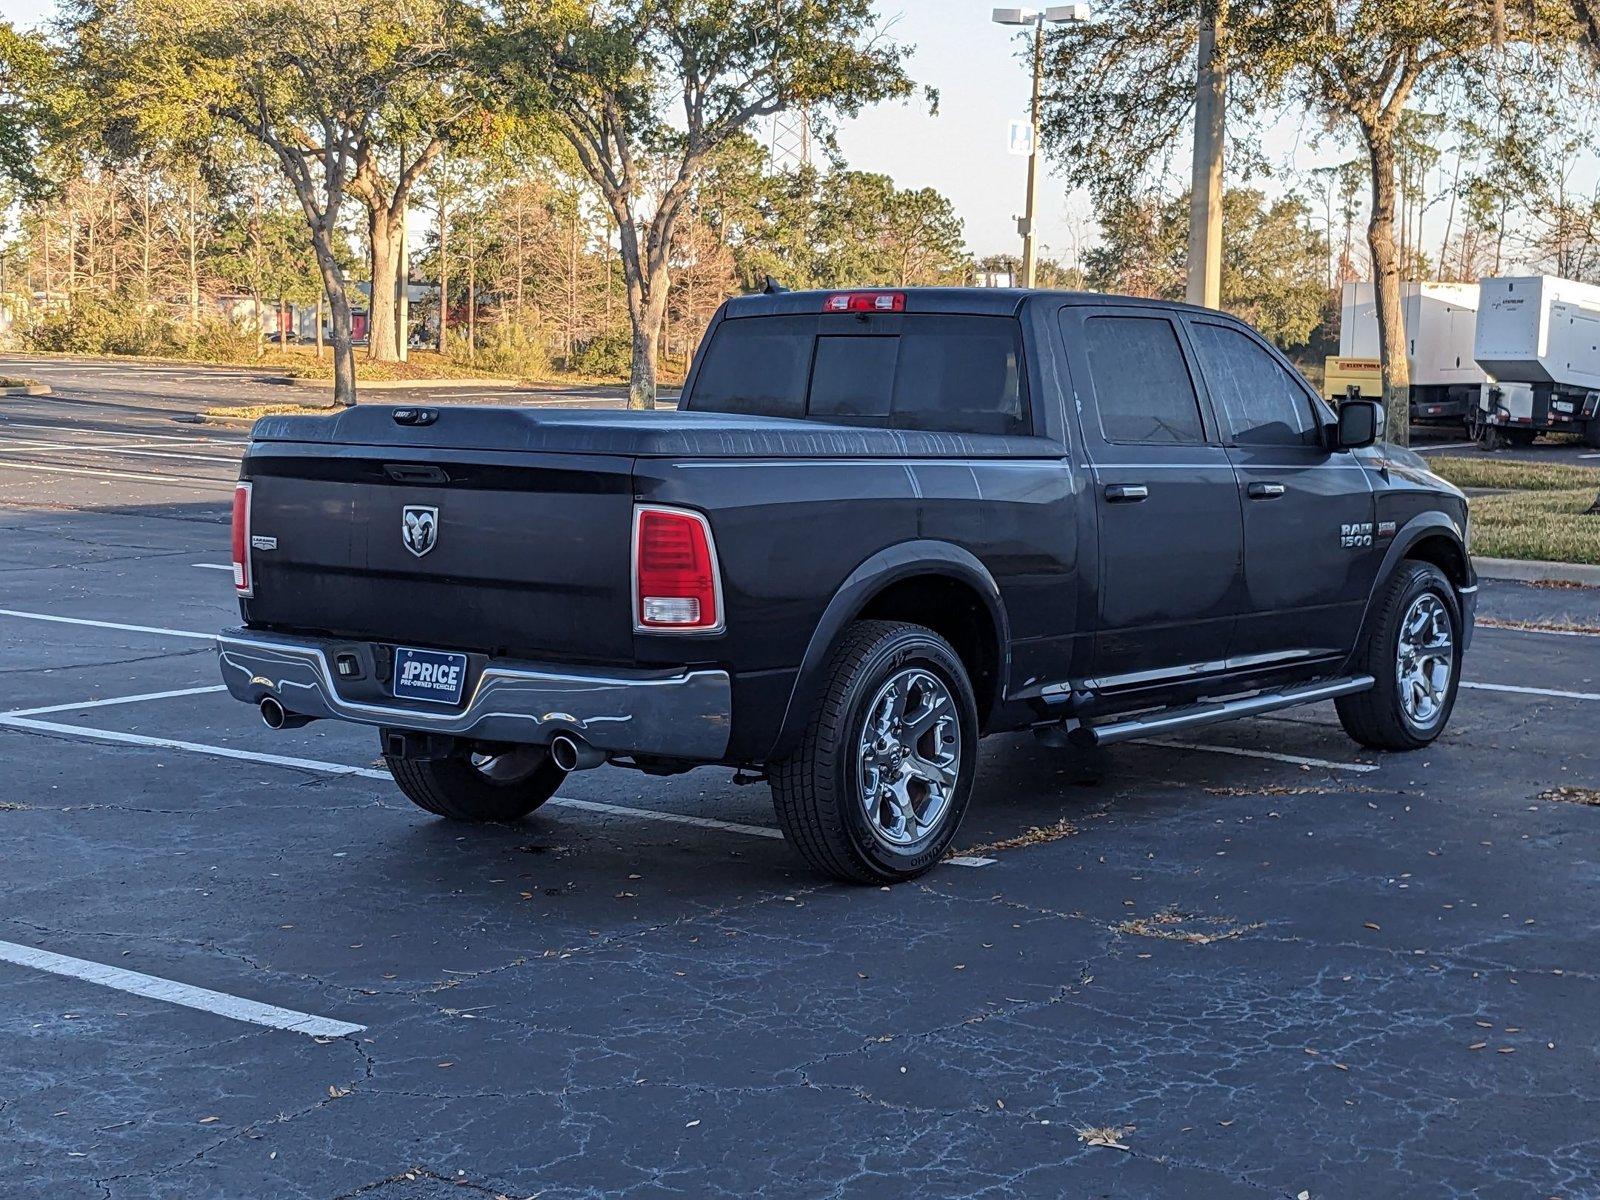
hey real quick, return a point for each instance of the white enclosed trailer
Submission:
(1440, 321)
(1538, 340)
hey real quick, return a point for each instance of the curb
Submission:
(1533, 570)
(390, 385)
(32, 389)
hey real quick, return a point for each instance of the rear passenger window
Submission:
(1260, 403)
(960, 374)
(757, 367)
(948, 373)
(852, 377)
(1141, 383)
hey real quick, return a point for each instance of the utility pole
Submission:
(1205, 195)
(1061, 14)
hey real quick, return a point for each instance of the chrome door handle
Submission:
(1126, 493)
(1264, 491)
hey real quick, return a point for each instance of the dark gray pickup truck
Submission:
(883, 525)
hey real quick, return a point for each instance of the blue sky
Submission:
(960, 151)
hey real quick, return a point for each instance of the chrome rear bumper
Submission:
(673, 715)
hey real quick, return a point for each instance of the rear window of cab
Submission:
(931, 371)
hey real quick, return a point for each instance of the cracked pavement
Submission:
(1272, 980)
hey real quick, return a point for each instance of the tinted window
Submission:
(1141, 382)
(962, 374)
(1260, 403)
(757, 367)
(853, 377)
(956, 374)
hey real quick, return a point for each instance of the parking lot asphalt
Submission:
(123, 389)
(1252, 961)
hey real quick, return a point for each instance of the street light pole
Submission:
(1030, 243)
(1058, 15)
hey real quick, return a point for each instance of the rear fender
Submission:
(883, 570)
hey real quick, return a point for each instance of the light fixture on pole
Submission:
(1060, 14)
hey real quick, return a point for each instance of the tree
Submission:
(1273, 260)
(313, 81)
(613, 74)
(26, 63)
(424, 111)
(1120, 93)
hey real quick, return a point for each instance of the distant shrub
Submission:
(607, 355)
(503, 348)
(97, 326)
(219, 340)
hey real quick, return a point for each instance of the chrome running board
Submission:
(1191, 716)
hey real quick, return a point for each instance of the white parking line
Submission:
(193, 480)
(155, 743)
(188, 439)
(18, 721)
(33, 616)
(153, 987)
(1447, 446)
(110, 700)
(1556, 693)
(136, 448)
(1294, 760)
(212, 566)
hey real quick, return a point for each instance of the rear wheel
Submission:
(878, 785)
(1591, 434)
(1413, 650)
(468, 785)
(1521, 437)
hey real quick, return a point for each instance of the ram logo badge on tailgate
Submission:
(420, 530)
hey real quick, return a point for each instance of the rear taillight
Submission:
(675, 584)
(243, 583)
(865, 302)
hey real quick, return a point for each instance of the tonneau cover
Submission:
(669, 434)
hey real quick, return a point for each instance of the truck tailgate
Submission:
(529, 554)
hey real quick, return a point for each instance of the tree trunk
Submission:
(384, 239)
(1386, 290)
(193, 247)
(444, 280)
(319, 326)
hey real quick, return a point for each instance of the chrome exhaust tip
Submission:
(275, 716)
(574, 754)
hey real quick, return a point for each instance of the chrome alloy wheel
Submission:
(1424, 658)
(908, 755)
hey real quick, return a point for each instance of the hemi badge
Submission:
(1386, 528)
(263, 543)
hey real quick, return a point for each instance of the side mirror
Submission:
(1359, 422)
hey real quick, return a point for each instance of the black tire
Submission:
(1591, 434)
(818, 790)
(1380, 718)
(1521, 437)
(479, 788)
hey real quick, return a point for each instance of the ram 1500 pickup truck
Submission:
(881, 525)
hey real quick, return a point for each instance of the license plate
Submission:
(432, 675)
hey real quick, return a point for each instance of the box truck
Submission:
(1440, 322)
(1538, 340)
